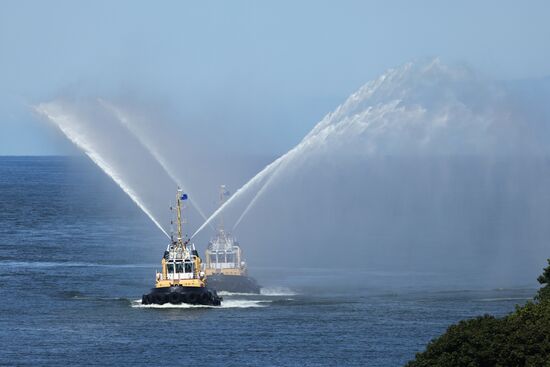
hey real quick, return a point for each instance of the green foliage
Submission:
(544, 279)
(520, 339)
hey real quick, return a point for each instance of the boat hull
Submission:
(178, 295)
(233, 283)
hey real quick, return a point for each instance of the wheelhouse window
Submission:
(179, 267)
(170, 268)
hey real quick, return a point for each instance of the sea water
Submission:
(76, 255)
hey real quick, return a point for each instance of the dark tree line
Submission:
(521, 338)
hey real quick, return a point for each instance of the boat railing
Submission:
(223, 265)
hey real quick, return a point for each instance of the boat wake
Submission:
(232, 303)
(230, 294)
(232, 300)
(267, 291)
(277, 291)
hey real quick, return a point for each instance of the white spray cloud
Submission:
(404, 111)
(428, 110)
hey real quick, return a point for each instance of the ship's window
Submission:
(188, 268)
(213, 258)
(179, 267)
(230, 258)
(169, 268)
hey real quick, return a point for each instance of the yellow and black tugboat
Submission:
(181, 279)
(225, 266)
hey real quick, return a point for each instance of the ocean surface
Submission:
(76, 255)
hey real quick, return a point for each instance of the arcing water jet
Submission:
(417, 109)
(147, 144)
(68, 123)
(256, 180)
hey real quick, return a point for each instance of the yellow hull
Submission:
(182, 282)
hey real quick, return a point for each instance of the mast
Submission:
(180, 196)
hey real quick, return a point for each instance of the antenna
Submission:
(171, 223)
(180, 196)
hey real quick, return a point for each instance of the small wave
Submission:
(277, 291)
(236, 303)
(504, 299)
(78, 296)
(49, 264)
(72, 295)
(225, 293)
(39, 264)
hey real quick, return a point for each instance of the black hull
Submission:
(178, 295)
(233, 283)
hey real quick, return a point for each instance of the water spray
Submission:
(268, 174)
(124, 120)
(269, 169)
(63, 122)
(255, 198)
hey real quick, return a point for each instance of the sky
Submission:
(254, 76)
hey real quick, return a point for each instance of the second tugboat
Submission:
(225, 266)
(181, 279)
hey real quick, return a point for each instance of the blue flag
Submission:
(183, 196)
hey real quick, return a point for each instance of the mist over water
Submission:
(417, 109)
(428, 168)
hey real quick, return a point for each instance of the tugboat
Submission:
(225, 267)
(181, 279)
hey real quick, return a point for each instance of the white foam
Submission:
(267, 291)
(225, 293)
(277, 291)
(233, 303)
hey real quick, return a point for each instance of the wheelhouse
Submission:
(180, 263)
(224, 255)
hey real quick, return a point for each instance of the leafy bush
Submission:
(520, 339)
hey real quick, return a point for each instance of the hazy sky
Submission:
(257, 75)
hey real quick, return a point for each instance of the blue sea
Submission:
(76, 255)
